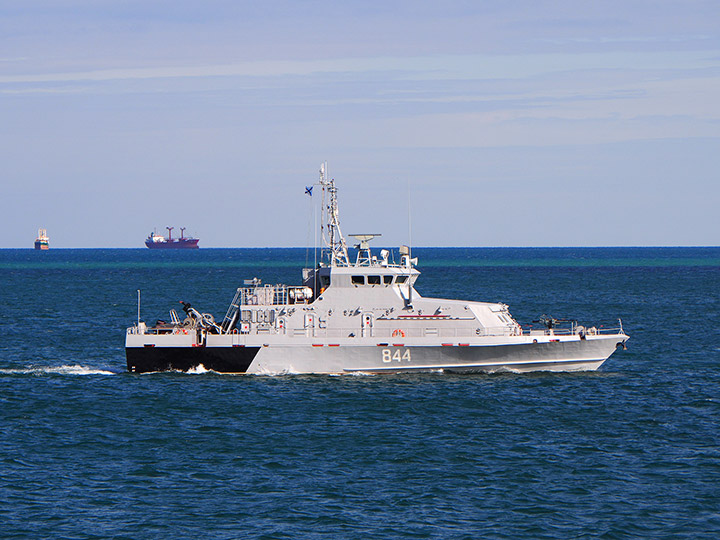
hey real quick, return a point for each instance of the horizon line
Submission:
(379, 247)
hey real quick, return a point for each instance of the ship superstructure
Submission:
(361, 315)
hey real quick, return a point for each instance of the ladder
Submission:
(233, 312)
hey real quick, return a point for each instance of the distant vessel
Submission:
(156, 241)
(42, 241)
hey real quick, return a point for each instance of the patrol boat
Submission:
(361, 316)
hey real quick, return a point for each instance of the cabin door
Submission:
(367, 324)
(309, 324)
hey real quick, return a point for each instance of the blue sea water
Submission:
(90, 451)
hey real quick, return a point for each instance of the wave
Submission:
(199, 370)
(76, 369)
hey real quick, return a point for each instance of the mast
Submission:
(333, 240)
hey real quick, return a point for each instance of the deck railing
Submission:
(569, 328)
(274, 295)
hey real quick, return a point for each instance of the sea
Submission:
(90, 451)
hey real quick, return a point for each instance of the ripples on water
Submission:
(90, 451)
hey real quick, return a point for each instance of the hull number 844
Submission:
(388, 355)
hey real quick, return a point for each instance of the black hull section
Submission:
(220, 359)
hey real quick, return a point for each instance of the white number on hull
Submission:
(388, 356)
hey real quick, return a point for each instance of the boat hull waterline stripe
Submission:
(436, 367)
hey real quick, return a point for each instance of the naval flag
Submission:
(308, 190)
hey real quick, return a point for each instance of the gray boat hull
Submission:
(235, 354)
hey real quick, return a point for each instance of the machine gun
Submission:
(195, 319)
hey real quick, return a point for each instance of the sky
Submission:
(454, 123)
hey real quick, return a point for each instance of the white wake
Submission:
(76, 369)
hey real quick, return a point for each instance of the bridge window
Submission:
(373, 280)
(401, 279)
(387, 279)
(357, 280)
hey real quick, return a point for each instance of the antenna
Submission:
(138, 307)
(323, 166)
(334, 241)
(363, 256)
(409, 221)
(409, 244)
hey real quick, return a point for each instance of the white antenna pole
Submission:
(409, 244)
(409, 220)
(323, 210)
(315, 246)
(138, 307)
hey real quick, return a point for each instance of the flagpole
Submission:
(315, 268)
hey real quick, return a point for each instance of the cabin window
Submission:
(401, 279)
(358, 280)
(373, 280)
(388, 280)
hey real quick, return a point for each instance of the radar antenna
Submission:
(363, 256)
(333, 240)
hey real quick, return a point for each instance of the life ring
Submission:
(235, 331)
(398, 333)
(185, 331)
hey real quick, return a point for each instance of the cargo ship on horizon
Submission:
(157, 241)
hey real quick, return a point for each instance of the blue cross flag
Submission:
(308, 190)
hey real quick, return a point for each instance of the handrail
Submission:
(274, 295)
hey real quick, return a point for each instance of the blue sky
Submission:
(509, 123)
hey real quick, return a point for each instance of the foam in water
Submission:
(198, 370)
(358, 374)
(265, 372)
(76, 369)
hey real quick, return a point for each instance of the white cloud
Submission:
(439, 67)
